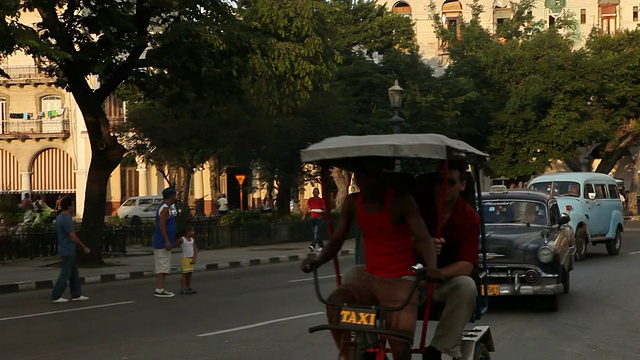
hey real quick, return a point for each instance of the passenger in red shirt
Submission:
(389, 221)
(315, 207)
(457, 249)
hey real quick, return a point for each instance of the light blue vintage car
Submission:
(593, 202)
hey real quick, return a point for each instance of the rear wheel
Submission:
(481, 352)
(581, 243)
(614, 246)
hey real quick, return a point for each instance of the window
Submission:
(402, 8)
(529, 13)
(558, 188)
(588, 189)
(514, 212)
(635, 13)
(51, 102)
(552, 21)
(145, 202)
(3, 109)
(613, 192)
(601, 191)
(583, 16)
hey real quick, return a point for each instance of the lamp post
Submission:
(395, 98)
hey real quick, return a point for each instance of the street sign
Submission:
(240, 179)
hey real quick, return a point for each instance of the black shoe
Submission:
(431, 353)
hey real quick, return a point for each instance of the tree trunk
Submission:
(285, 182)
(188, 175)
(103, 162)
(609, 160)
(342, 179)
(214, 178)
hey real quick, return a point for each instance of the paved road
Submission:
(263, 313)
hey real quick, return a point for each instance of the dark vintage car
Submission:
(530, 245)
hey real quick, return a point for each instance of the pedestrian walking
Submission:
(315, 207)
(189, 257)
(67, 242)
(164, 238)
(27, 206)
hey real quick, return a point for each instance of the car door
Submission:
(598, 218)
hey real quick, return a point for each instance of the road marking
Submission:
(311, 279)
(260, 324)
(67, 310)
(633, 253)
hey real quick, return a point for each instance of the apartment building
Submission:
(609, 16)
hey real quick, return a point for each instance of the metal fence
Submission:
(209, 235)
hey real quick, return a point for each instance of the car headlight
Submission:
(545, 254)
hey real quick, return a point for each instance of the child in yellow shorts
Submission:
(189, 255)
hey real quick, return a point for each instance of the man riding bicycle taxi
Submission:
(390, 221)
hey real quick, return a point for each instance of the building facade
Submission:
(609, 16)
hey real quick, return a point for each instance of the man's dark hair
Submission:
(66, 203)
(461, 166)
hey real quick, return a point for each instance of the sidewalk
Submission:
(37, 274)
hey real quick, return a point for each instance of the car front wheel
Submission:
(614, 245)
(581, 244)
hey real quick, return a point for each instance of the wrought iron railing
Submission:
(24, 72)
(40, 126)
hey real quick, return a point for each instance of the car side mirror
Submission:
(564, 219)
(592, 196)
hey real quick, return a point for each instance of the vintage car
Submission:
(530, 245)
(592, 200)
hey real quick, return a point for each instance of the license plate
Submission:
(358, 317)
(492, 290)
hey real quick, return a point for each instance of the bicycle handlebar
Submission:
(420, 274)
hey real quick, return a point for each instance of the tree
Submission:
(82, 40)
(176, 117)
(614, 100)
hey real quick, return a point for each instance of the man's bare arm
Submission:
(340, 234)
(74, 237)
(424, 241)
(164, 216)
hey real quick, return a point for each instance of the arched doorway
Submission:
(9, 173)
(53, 173)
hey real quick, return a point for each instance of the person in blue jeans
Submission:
(67, 242)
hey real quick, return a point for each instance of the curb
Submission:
(104, 278)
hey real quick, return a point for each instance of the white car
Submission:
(139, 207)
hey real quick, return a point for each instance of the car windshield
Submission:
(558, 188)
(129, 202)
(514, 212)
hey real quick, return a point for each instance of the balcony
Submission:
(25, 75)
(45, 126)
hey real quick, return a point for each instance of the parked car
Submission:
(592, 200)
(139, 207)
(530, 245)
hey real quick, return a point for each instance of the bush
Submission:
(245, 217)
(10, 213)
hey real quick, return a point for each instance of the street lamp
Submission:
(395, 98)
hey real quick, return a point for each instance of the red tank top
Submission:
(388, 247)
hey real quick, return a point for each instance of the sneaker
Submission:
(60, 301)
(190, 291)
(319, 249)
(80, 298)
(163, 294)
(311, 247)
